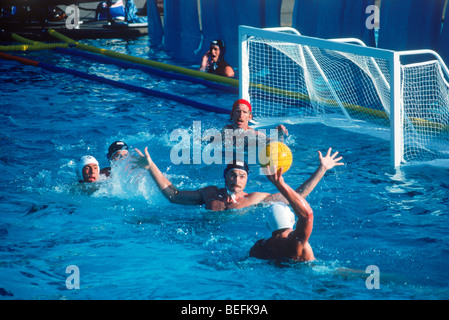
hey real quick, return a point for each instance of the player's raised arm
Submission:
(167, 188)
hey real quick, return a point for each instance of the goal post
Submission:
(345, 83)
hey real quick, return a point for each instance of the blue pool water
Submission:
(128, 242)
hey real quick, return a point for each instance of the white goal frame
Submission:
(346, 45)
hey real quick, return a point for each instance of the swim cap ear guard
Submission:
(236, 164)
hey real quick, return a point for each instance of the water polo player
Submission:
(286, 241)
(87, 169)
(116, 151)
(233, 195)
(241, 115)
(214, 62)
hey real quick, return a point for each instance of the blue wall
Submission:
(404, 24)
(410, 24)
(181, 33)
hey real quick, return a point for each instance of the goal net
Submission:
(342, 83)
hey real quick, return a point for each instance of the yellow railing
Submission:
(138, 60)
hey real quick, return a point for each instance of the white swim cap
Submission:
(83, 161)
(279, 216)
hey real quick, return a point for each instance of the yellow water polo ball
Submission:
(276, 154)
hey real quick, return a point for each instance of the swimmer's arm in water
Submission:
(167, 188)
(282, 131)
(327, 162)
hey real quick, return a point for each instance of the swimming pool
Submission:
(128, 242)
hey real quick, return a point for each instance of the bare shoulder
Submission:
(256, 197)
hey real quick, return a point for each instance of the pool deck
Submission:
(89, 28)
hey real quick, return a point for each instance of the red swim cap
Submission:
(242, 101)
